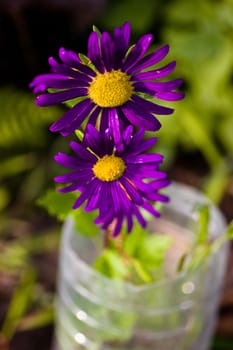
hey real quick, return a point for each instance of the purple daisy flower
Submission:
(114, 89)
(117, 183)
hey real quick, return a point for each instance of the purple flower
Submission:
(117, 183)
(117, 87)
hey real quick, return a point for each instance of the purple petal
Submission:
(107, 50)
(67, 161)
(127, 134)
(78, 120)
(137, 137)
(158, 184)
(70, 188)
(157, 197)
(114, 195)
(104, 120)
(150, 59)
(158, 86)
(106, 220)
(170, 95)
(145, 158)
(104, 199)
(94, 116)
(82, 152)
(68, 56)
(140, 118)
(114, 128)
(141, 170)
(74, 176)
(131, 191)
(93, 199)
(83, 69)
(86, 193)
(137, 52)
(74, 67)
(57, 81)
(71, 115)
(144, 146)
(155, 74)
(121, 199)
(53, 64)
(92, 140)
(129, 222)
(147, 206)
(152, 107)
(121, 38)
(139, 216)
(146, 187)
(94, 52)
(118, 225)
(49, 99)
(71, 72)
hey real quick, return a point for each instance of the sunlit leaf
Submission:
(58, 204)
(111, 264)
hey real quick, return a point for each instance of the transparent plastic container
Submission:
(178, 313)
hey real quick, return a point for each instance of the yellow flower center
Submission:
(111, 89)
(109, 168)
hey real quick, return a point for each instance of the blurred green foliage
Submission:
(200, 34)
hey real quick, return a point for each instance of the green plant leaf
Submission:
(111, 264)
(149, 249)
(19, 303)
(38, 319)
(22, 122)
(216, 183)
(84, 222)
(203, 221)
(80, 134)
(153, 250)
(58, 204)
(141, 271)
(95, 29)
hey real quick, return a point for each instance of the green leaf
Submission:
(153, 250)
(38, 319)
(149, 249)
(84, 222)
(17, 164)
(203, 231)
(223, 238)
(95, 29)
(141, 271)
(200, 254)
(84, 59)
(73, 102)
(201, 137)
(111, 264)
(133, 241)
(216, 183)
(22, 122)
(80, 134)
(19, 303)
(58, 204)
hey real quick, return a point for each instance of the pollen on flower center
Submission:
(109, 168)
(111, 89)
